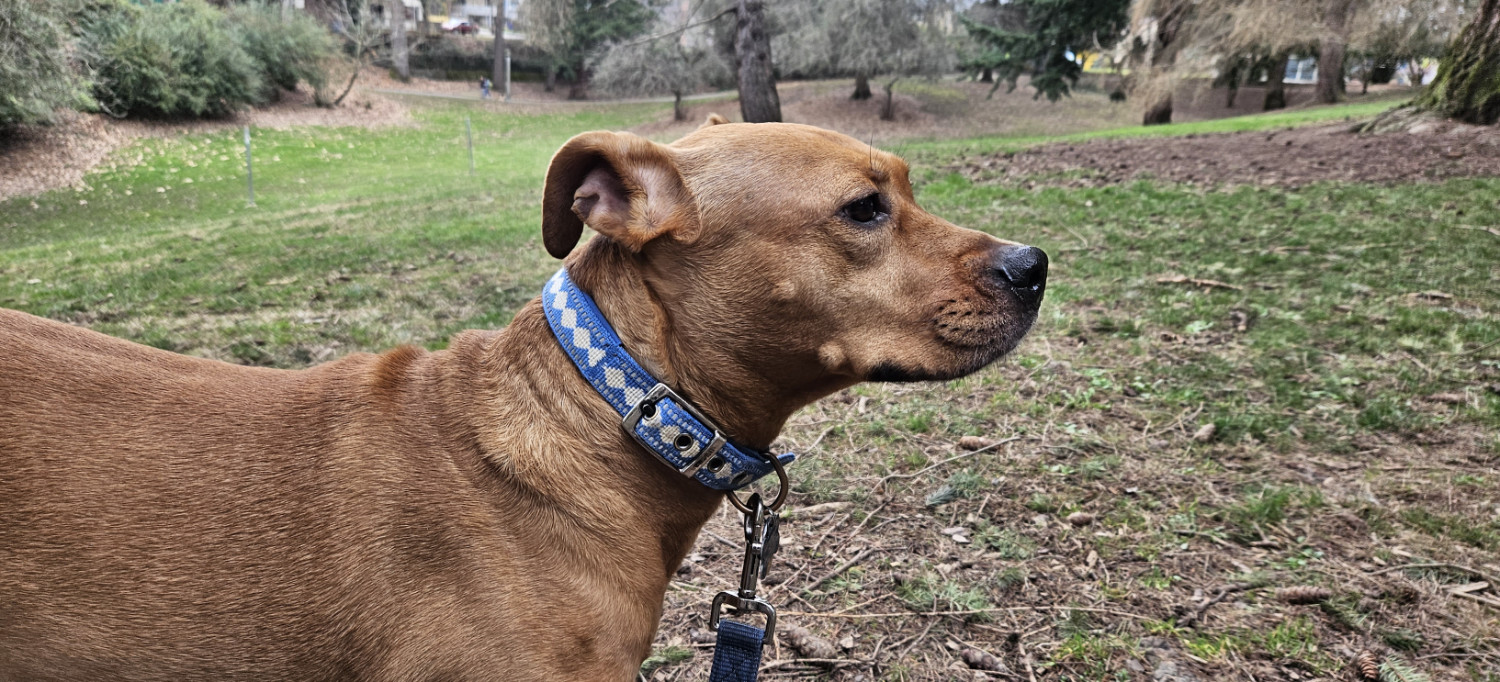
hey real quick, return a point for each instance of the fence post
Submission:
(249, 168)
(469, 133)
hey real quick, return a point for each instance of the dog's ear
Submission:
(714, 120)
(625, 187)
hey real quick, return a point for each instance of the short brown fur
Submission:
(473, 513)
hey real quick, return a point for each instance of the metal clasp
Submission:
(759, 523)
(646, 408)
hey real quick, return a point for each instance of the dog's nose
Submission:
(1023, 268)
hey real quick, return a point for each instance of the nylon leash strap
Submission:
(737, 650)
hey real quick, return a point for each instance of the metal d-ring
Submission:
(773, 505)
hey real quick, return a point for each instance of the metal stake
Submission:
(469, 133)
(249, 168)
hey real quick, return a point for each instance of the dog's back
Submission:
(140, 483)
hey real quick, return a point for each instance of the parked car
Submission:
(460, 27)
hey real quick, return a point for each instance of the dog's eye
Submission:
(864, 211)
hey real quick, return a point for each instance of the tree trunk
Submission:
(987, 76)
(1467, 86)
(861, 87)
(500, 76)
(579, 88)
(396, 11)
(678, 113)
(1234, 91)
(1159, 113)
(359, 65)
(888, 111)
(1276, 83)
(759, 102)
(1331, 50)
(549, 82)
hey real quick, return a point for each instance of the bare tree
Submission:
(1174, 38)
(500, 76)
(362, 36)
(663, 63)
(547, 29)
(1337, 19)
(892, 39)
(395, 12)
(1159, 30)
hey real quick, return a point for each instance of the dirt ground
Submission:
(1285, 158)
(923, 109)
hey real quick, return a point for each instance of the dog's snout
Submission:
(1022, 268)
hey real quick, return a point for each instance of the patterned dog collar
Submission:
(659, 419)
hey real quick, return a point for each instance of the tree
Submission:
(571, 31)
(869, 38)
(661, 64)
(395, 12)
(35, 75)
(500, 75)
(1043, 37)
(547, 28)
(1467, 86)
(289, 47)
(361, 39)
(759, 102)
(1159, 31)
(1337, 16)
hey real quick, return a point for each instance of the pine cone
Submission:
(808, 644)
(980, 660)
(1367, 665)
(1304, 594)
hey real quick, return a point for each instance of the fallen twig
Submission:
(1477, 597)
(821, 662)
(955, 458)
(1440, 564)
(835, 572)
(1490, 230)
(969, 612)
(1210, 283)
(1195, 616)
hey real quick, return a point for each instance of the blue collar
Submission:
(659, 419)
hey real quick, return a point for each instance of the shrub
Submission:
(35, 74)
(181, 59)
(287, 51)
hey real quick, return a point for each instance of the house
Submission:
(482, 13)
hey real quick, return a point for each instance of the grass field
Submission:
(1231, 392)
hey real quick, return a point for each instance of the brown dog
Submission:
(474, 513)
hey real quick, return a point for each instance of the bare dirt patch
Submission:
(1285, 158)
(41, 158)
(923, 109)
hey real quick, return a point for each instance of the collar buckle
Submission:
(646, 408)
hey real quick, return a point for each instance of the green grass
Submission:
(1288, 118)
(1317, 368)
(358, 238)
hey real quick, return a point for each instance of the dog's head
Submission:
(798, 252)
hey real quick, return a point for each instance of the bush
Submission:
(35, 74)
(181, 59)
(287, 51)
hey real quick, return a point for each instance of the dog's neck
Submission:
(750, 407)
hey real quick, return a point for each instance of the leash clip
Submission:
(762, 540)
